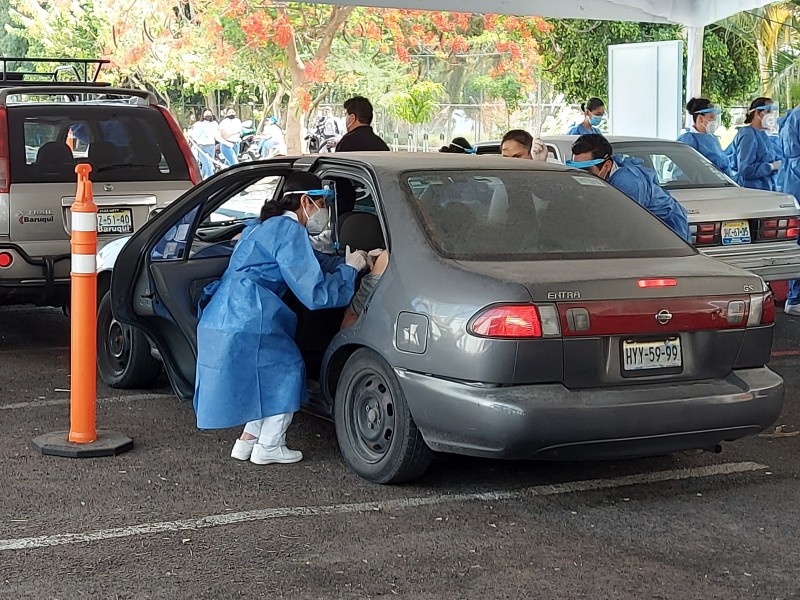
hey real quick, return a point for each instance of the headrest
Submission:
(361, 231)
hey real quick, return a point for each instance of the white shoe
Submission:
(792, 309)
(242, 449)
(276, 454)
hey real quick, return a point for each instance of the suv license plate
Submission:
(114, 220)
(735, 232)
(663, 354)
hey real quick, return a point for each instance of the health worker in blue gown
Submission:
(754, 158)
(701, 136)
(790, 175)
(594, 112)
(594, 154)
(249, 369)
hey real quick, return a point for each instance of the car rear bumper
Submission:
(772, 261)
(553, 422)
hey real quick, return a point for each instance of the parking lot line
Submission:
(290, 512)
(65, 401)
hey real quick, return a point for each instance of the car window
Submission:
(247, 203)
(122, 143)
(533, 215)
(677, 166)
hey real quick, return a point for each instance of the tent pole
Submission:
(694, 57)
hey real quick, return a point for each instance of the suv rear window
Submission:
(122, 143)
(534, 215)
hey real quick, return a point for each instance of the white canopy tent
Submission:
(694, 14)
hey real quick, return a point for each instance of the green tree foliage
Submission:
(730, 68)
(10, 44)
(418, 103)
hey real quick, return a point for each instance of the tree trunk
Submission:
(294, 114)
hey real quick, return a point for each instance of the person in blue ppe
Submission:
(249, 369)
(701, 136)
(790, 174)
(594, 111)
(754, 155)
(594, 154)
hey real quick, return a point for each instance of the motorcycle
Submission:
(248, 147)
(319, 144)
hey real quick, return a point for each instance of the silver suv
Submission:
(139, 156)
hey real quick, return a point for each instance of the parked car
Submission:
(139, 156)
(751, 229)
(514, 321)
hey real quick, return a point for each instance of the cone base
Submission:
(56, 443)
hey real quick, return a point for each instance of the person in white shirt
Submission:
(204, 134)
(274, 141)
(229, 137)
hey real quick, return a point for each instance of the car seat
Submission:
(55, 159)
(361, 231)
(103, 154)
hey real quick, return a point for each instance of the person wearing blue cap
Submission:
(274, 140)
(754, 157)
(593, 153)
(249, 369)
(701, 136)
(594, 112)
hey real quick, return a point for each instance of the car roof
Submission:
(571, 138)
(438, 161)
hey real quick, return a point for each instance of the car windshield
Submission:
(534, 215)
(677, 166)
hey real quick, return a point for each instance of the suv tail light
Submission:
(191, 163)
(762, 310)
(778, 228)
(705, 234)
(516, 321)
(4, 171)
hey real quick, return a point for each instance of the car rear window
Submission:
(122, 143)
(677, 166)
(534, 215)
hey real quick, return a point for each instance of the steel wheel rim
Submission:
(371, 417)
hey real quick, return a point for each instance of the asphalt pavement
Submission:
(178, 518)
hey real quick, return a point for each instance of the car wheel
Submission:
(376, 432)
(123, 352)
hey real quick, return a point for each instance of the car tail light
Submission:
(6, 259)
(762, 309)
(191, 163)
(779, 228)
(705, 234)
(4, 170)
(657, 283)
(513, 321)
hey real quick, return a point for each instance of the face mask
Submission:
(595, 120)
(230, 117)
(317, 222)
(208, 118)
(770, 121)
(711, 126)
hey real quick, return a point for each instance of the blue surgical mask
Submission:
(595, 120)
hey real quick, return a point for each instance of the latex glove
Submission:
(357, 259)
(775, 165)
(539, 150)
(372, 255)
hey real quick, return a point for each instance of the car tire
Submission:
(374, 427)
(123, 352)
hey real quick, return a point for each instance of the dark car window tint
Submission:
(121, 143)
(530, 215)
(676, 165)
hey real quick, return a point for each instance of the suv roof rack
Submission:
(84, 71)
(78, 93)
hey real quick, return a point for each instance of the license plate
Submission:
(735, 232)
(641, 356)
(114, 220)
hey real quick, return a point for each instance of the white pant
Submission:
(271, 431)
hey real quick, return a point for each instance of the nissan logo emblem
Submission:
(664, 317)
(108, 187)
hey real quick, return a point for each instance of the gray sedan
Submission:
(515, 320)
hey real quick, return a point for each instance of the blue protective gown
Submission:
(248, 365)
(641, 184)
(754, 153)
(579, 129)
(790, 176)
(708, 145)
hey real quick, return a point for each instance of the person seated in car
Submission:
(380, 261)
(518, 143)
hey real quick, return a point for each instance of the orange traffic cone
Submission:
(83, 440)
